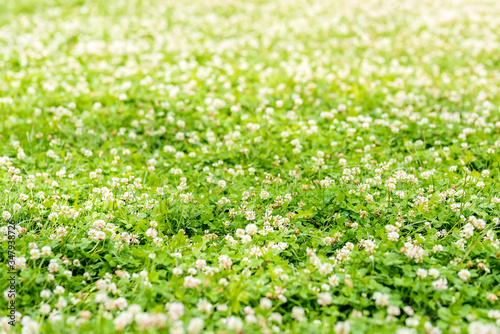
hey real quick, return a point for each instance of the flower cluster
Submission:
(251, 166)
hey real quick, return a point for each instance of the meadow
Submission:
(260, 166)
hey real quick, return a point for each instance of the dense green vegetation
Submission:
(252, 166)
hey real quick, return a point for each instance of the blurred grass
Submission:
(13, 9)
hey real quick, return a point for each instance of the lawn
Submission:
(260, 166)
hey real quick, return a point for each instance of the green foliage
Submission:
(250, 167)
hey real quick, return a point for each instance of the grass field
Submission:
(219, 166)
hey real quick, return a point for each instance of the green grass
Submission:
(250, 166)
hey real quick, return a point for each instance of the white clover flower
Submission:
(324, 299)
(464, 274)
(440, 284)
(6, 215)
